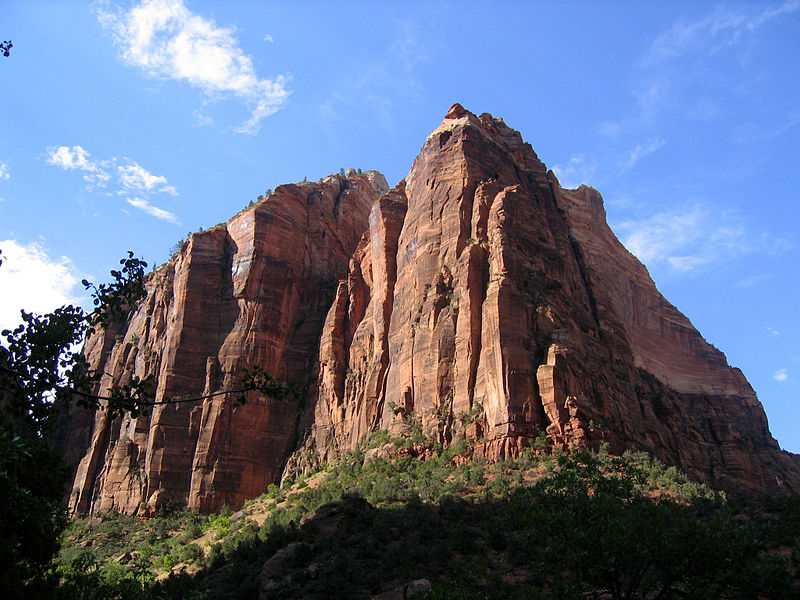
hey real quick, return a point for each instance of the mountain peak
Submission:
(477, 299)
(456, 112)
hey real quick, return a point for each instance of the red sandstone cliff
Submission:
(477, 286)
(483, 287)
(252, 292)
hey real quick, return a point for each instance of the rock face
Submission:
(484, 295)
(252, 292)
(477, 298)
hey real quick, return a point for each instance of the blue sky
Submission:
(126, 125)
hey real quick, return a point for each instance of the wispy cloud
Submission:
(686, 239)
(639, 152)
(723, 28)
(39, 282)
(771, 331)
(753, 280)
(201, 119)
(610, 128)
(96, 173)
(386, 83)
(676, 69)
(781, 375)
(158, 213)
(4, 172)
(130, 180)
(134, 178)
(166, 40)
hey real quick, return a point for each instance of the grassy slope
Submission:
(544, 526)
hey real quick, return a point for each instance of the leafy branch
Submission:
(41, 361)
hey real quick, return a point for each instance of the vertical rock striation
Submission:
(477, 298)
(485, 291)
(252, 292)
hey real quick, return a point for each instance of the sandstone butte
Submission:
(478, 285)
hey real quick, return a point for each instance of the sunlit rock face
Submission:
(477, 297)
(483, 288)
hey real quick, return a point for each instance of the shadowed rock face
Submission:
(252, 292)
(477, 286)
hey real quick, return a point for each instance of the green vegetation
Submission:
(42, 371)
(544, 526)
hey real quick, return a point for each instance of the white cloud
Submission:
(32, 280)
(639, 152)
(661, 236)
(687, 263)
(268, 38)
(772, 331)
(133, 182)
(781, 375)
(75, 157)
(688, 238)
(4, 174)
(70, 158)
(158, 213)
(166, 40)
(134, 178)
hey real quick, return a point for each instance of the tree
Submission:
(599, 531)
(42, 368)
(41, 360)
(32, 480)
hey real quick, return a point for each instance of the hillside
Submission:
(400, 517)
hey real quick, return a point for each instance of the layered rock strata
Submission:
(477, 298)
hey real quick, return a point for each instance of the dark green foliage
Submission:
(590, 526)
(594, 523)
(256, 378)
(40, 358)
(178, 246)
(41, 369)
(31, 483)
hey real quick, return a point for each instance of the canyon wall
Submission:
(484, 295)
(477, 298)
(254, 291)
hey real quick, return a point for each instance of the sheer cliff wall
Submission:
(252, 292)
(477, 296)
